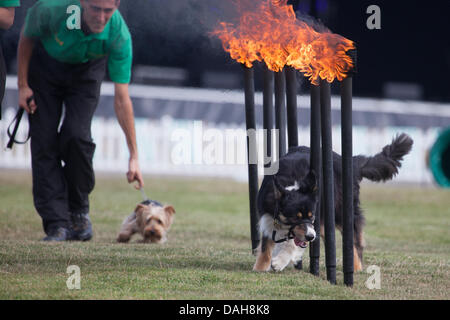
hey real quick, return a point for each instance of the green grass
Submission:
(208, 254)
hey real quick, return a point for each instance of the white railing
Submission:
(160, 142)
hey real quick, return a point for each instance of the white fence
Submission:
(193, 148)
(202, 136)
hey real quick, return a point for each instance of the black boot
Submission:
(58, 234)
(81, 226)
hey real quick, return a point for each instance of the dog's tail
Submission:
(384, 165)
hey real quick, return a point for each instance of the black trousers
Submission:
(62, 155)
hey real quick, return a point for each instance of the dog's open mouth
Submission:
(300, 243)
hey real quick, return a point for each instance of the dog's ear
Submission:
(309, 183)
(170, 211)
(140, 209)
(278, 189)
(139, 212)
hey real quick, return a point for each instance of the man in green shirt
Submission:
(62, 60)
(7, 13)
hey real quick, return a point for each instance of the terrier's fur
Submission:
(293, 190)
(151, 220)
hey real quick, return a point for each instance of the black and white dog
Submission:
(287, 202)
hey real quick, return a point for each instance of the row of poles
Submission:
(281, 87)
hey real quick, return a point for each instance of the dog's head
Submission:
(297, 207)
(154, 221)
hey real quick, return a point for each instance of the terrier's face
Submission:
(154, 221)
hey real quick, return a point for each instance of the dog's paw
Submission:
(123, 237)
(279, 263)
(258, 268)
(298, 265)
(357, 267)
(262, 263)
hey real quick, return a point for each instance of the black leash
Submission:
(16, 120)
(147, 200)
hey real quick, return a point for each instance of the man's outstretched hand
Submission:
(134, 173)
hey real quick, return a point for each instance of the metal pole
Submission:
(268, 114)
(315, 164)
(347, 180)
(280, 111)
(328, 181)
(291, 102)
(249, 85)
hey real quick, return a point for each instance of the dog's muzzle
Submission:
(291, 235)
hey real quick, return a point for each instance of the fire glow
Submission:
(272, 34)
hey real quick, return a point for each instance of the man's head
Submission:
(96, 13)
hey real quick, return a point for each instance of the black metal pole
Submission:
(249, 85)
(291, 103)
(347, 179)
(268, 113)
(328, 181)
(315, 164)
(280, 111)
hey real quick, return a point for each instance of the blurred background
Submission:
(410, 52)
(184, 80)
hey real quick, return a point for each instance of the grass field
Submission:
(208, 254)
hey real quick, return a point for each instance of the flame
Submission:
(272, 34)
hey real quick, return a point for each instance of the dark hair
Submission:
(116, 1)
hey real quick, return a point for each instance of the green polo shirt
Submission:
(47, 20)
(9, 3)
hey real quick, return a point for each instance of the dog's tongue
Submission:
(299, 243)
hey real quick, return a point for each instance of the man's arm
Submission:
(24, 52)
(6, 18)
(124, 112)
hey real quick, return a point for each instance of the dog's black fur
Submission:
(294, 167)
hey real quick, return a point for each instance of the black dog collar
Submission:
(290, 236)
(153, 202)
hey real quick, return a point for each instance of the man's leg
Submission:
(77, 147)
(49, 186)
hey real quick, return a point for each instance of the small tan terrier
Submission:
(151, 219)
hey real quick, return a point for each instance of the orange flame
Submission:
(272, 34)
